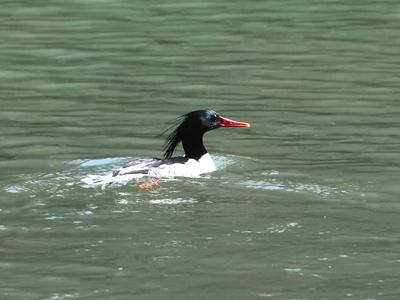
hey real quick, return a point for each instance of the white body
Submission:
(169, 168)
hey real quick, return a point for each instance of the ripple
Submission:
(90, 163)
(222, 162)
(69, 174)
(294, 271)
(271, 228)
(172, 201)
(278, 228)
(15, 189)
(62, 296)
(273, 185)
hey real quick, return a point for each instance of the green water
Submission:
(305, 204)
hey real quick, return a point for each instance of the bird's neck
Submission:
(193, 146)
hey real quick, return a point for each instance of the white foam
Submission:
(172, 201)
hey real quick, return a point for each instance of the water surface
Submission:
(304, 204)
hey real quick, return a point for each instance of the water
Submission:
(305, 203)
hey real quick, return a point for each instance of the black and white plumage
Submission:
(189, 131)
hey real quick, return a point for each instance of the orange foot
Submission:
(149, 184)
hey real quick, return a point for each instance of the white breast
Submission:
(190, 168)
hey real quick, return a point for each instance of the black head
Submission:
(200, 121)
(191, 129)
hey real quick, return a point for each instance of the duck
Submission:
(189, 131)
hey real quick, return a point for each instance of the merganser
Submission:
(189, 131)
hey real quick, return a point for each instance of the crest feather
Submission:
(174, 138)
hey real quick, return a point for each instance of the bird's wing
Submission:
(138, 166)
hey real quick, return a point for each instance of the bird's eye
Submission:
(214, 117)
